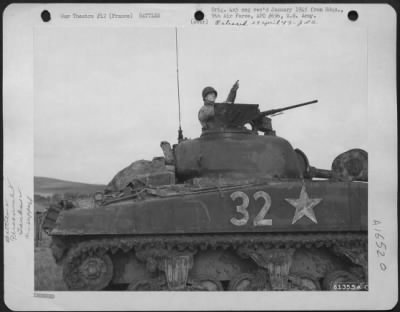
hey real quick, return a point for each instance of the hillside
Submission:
(49, 186)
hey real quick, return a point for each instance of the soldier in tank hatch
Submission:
(206, 112)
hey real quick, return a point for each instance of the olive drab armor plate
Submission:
(280, 207)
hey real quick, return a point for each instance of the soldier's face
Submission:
(211, 97)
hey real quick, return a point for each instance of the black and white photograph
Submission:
(226, 150)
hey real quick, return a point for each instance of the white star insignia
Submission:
(304, 206)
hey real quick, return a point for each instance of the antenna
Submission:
(180, 135)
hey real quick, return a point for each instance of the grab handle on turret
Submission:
(278, 110)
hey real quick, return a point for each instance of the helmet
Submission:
(208, 90)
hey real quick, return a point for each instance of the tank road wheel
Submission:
(92, 272)
(335, 279)
(303, 282)
(241, 282)
(247, 281)
(204, 283)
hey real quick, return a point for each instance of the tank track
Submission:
(166, 245)
(203, 242)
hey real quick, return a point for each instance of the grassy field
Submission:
(48, 186)
(48, 276)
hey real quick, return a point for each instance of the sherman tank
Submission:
(237, 208)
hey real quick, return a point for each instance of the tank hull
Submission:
(274, 235)
(268, 207)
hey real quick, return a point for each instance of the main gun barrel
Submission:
(278, 110)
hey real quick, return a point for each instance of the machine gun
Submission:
(263, 123)
(234, 116)
(278, 110)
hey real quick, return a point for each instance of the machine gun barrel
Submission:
(278, 110)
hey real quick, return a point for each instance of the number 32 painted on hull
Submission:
(242, 209)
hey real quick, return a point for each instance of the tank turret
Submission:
(232, 148)
(229, 149)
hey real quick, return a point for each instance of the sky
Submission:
(107, 96)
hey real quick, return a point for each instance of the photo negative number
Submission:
(242, 209)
